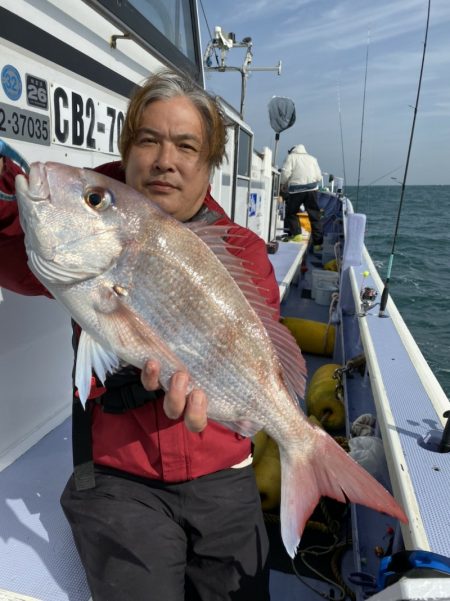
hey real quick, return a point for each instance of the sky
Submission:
(324, 46)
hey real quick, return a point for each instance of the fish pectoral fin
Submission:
(91, 355)
(134, 338)
(245, 428)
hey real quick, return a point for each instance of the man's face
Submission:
(166, 161)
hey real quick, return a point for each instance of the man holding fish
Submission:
(175, 513)
(156, 270)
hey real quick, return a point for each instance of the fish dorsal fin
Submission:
(92, 356)
(289, 354)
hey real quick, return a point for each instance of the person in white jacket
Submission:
(300, 179)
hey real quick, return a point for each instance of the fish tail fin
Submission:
(331, 472)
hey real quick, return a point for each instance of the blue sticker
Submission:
(11, 82)
(253, 204)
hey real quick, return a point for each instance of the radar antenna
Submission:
(224, 42)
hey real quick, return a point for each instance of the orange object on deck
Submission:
(305, 223)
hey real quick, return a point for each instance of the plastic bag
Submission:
(368, 451)
(364, 425)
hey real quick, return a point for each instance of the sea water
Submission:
(420, 276)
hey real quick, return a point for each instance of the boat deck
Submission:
(286, 263)
(37, 554)
(38, 558)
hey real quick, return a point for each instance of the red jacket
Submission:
(142, 441)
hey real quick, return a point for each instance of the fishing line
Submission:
(369, 187)
(385, 294)
(362, 121)
(385, 175)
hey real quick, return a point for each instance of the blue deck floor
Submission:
(37, 555)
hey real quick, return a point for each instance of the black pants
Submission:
(291, 223)
(202, 540)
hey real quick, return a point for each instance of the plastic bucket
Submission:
(323, 293)
(321, 277)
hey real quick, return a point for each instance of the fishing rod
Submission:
(362, 121)
(340, 127)
(385, 294)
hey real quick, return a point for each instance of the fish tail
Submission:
(331, 472)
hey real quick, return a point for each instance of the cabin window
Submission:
(173, 19)
(169, 27)
(244, 153)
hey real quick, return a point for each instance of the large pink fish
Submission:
(143, 285)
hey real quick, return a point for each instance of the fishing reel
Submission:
(368, 297)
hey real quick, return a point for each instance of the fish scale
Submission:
(194, 319)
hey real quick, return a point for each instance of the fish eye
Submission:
(98, 199)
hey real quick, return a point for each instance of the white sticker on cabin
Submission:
(21, 124)
(80, 121)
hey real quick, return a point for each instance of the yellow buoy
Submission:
(321, 401)
(312, 336)
(324, 372)
(268, 476)
(259, 442)
(331, 265)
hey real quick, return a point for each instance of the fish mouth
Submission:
(34, 199)
(55, 243)
(33, 194)
(36, 188)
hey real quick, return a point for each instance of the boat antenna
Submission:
(385, 294)
(362, 121)
(224, 42)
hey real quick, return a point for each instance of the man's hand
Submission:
(176, 400)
